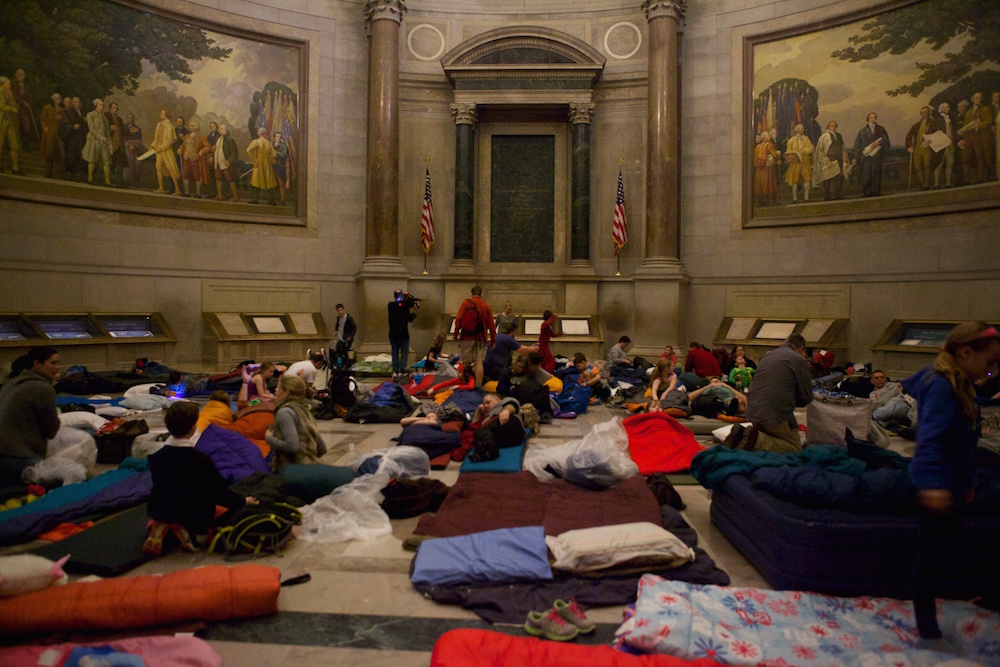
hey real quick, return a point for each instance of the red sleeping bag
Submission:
(483, 648)
(658, 443)
(212, 593)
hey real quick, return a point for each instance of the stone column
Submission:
(382, 270)
(662, 187)
(580, 116)
(658, 321)
(382, 221)
(465, 163)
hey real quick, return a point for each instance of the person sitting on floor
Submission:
(217, 411)
(254, 389)
(466, 381)
(883, 390)
(307, 369)
(496, 424)
(28, 414)
(617, 355)
(294, 437)
(498, 357)
(699, 367)
(186, 485)
(664, 380)
(741, 373)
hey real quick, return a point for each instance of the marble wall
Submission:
(934, 266)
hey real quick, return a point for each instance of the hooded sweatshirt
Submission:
(28, 416)
(945, 438)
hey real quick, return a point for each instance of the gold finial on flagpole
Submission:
(427, 160)
(621, 161)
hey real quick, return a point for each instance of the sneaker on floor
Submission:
(573, 614)
(735, 437)
(153, 546)
(551, 625)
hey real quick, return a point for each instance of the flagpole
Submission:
(618, 250)
(427, 165)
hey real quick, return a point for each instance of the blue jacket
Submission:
(945, 438)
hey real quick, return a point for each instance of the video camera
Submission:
(406, 299)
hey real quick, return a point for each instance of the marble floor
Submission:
(359, 607)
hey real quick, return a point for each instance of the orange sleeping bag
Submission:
(212, 593)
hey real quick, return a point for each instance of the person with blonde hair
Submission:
(294, 437)
(166, 160)
(941, 468)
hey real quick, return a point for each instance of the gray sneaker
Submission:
(574, 615)
(551, 625)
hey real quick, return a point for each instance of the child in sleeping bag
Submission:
(186, 485)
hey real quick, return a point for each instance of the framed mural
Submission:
(120, 106)
(892, 112)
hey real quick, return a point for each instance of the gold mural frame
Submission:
(140, 202)
(747, 40)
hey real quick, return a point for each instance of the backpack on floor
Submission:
(257, 529)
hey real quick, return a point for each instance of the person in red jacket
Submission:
(699, 367)
(473, 322)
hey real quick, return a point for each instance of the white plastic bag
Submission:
(606, 446)
(346, 514)
(69, 444)
(403, 462)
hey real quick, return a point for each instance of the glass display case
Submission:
(760, 334)
(14, 328)
(906, 346)
(229, 338)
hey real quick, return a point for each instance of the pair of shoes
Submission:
(183, 537)
(750, 439)
(551, 625)
(735, 437)
(573, 614)
(153, 546)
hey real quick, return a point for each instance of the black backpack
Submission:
(257, 530)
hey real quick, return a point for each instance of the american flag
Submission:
(619, 227)
(427, 217)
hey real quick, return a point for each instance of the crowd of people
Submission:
(92, 142)
(946, 149)
(187, 487)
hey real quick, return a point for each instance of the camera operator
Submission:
(402, 310)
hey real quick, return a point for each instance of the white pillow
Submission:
(26, 573)
(111, 411)
(82, 419)
(590, 549)
(140, 389)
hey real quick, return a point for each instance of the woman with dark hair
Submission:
(28, 414)
(544, 335)
(941, 468)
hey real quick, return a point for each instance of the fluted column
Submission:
(580, 116)
(662, 187)
(465, 158)
(382, 221)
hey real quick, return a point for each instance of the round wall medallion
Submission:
(425, 42)
(622, 40)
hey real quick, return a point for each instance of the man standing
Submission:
(226, 154)
(118, 159)
(923, 160)
(948, 154)
(193, 147)
(281, 171)
(346, 328)
(25, 97)
(9, 128)
(263, 156)
(208, 161)
(166, 158)
(977, 138)
(765, 181)
(472, 322)
(180, 131)
(402, 311)
(781, 384)
(870, 147)
(798, 155)
(133, 149)
(829, 166)
(98, 145)
(51, 144)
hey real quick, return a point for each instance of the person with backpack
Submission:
(186, 485)
(472, 323)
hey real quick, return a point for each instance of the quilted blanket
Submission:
(749, 626)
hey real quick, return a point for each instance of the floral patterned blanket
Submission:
(750, 626)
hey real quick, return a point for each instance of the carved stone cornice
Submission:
(376, 10)
(581, 113)
(669, 8)
(464, 114)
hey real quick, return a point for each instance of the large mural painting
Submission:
(894, 109)
(110, 105)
